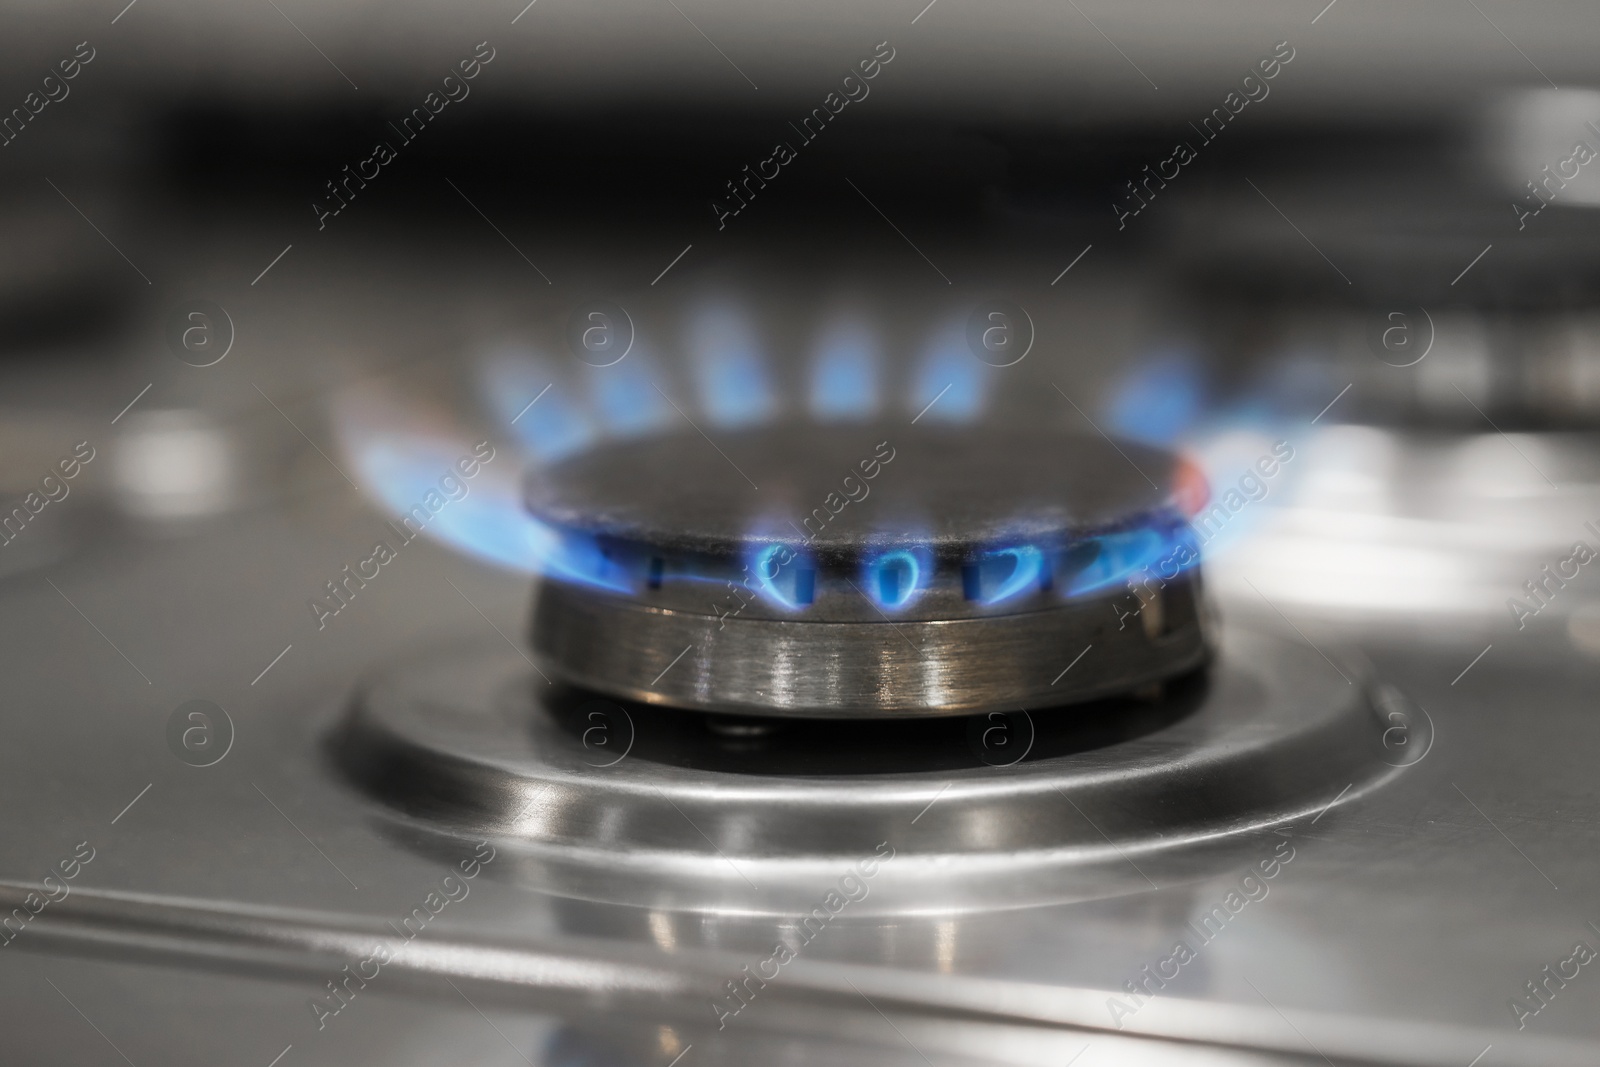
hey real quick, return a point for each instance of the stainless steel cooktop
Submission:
(934, 613)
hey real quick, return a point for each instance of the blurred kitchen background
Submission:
(1377, 177)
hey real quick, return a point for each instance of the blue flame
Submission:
(1003, 573)
(1130, 553)
(494, 527)
(784, 578)
(844, 375)
(482, 515)
(525, 392)
(894, 579)
(735, 389)
(626, 401)
(1159, 401)
(949, 378)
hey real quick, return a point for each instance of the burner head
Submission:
(830, 571)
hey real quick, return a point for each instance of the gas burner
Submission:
(751, 658)
(835, 572)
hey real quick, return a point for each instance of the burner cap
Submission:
(832, 571)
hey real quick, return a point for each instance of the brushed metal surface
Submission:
(635, 809)
(889, 669)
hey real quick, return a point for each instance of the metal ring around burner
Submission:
(467, 745)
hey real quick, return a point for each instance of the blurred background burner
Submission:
(838, 572)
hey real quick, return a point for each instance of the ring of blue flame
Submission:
(553, 413)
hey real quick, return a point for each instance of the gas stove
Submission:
(1036, 774)
(636, 577)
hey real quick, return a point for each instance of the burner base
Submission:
(840, 670)
(601, 804)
